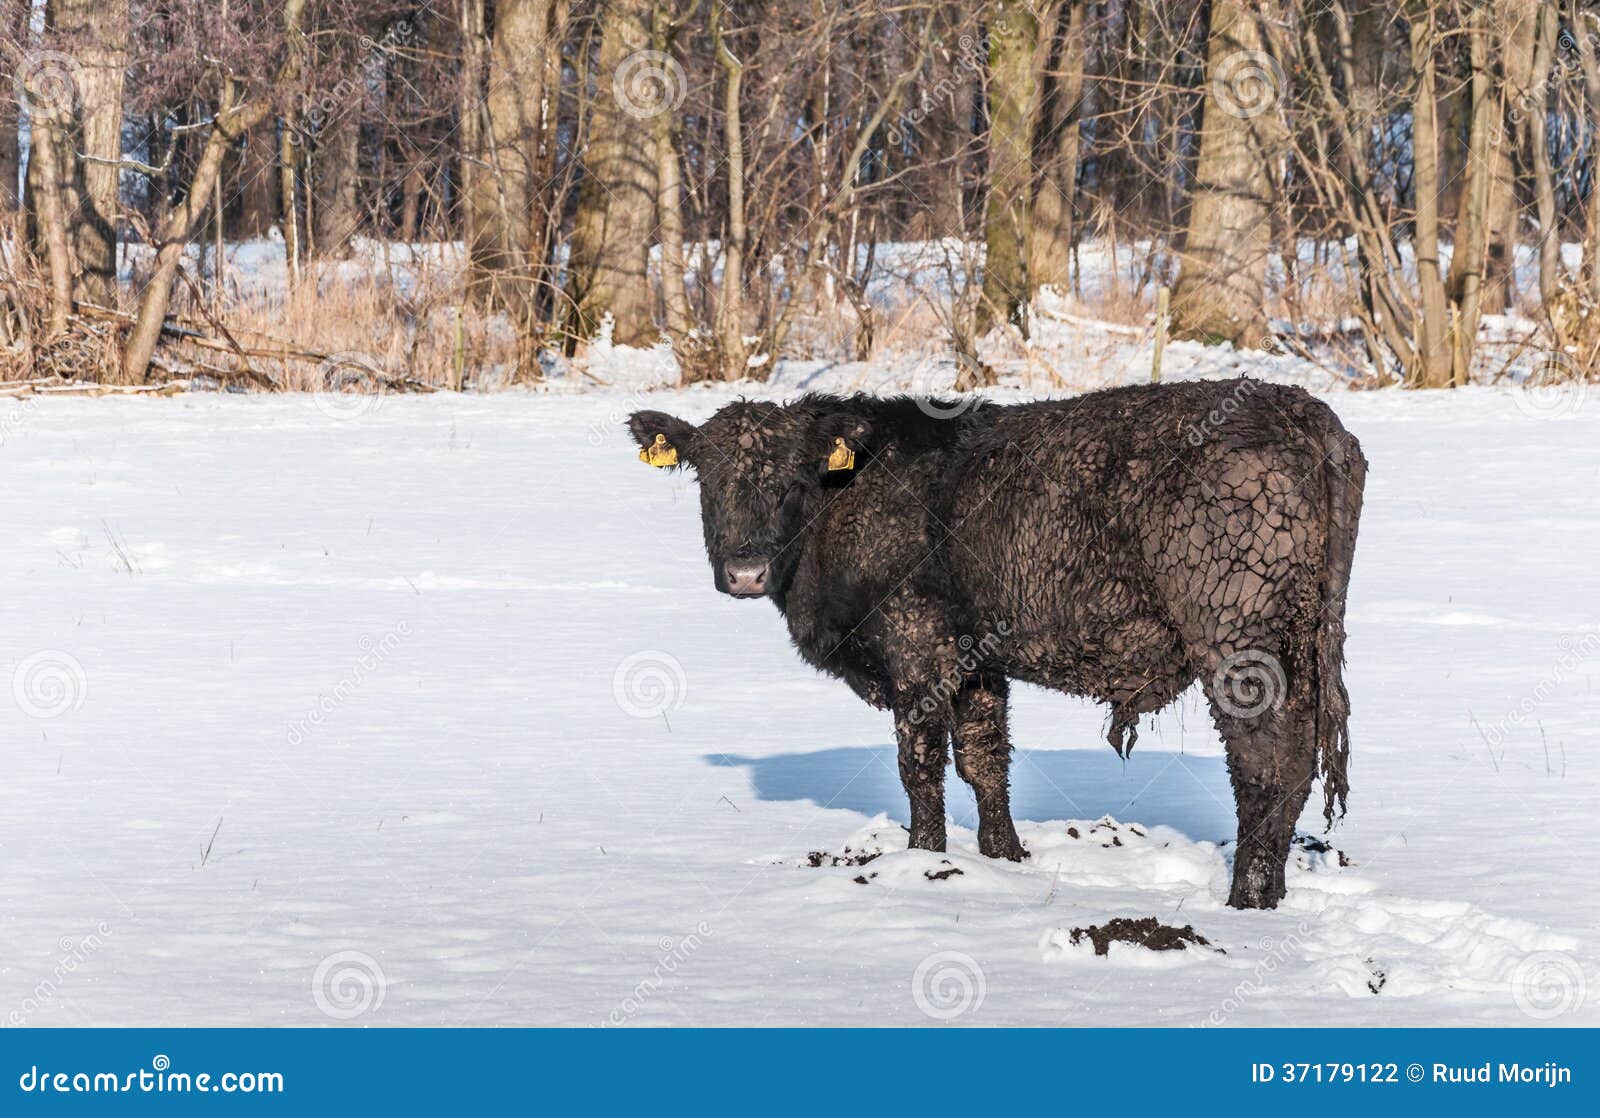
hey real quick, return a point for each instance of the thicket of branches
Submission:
(727, 175)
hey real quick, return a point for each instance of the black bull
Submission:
(1119, 545)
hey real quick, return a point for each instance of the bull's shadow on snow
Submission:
(1188, 793)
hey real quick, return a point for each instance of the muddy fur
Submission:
(1119, 545)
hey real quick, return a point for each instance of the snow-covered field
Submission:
(425, 711)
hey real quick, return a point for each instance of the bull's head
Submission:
(761, 467)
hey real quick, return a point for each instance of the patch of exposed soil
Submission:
(820, 858)
(941, 875)
(1146, 932)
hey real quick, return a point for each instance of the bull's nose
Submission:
(746, 578)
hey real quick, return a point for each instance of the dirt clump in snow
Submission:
(1146, 932)
(820, 858)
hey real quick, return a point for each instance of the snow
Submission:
(426, 712)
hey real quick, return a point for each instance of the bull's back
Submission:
(1104, 527)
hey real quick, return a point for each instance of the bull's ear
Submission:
(842, 439)
(664, 440)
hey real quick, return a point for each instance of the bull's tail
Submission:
(1344, 474)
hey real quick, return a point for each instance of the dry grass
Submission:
(382, 323)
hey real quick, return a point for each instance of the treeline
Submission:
(709, 172)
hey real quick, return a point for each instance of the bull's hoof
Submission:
(1256, 884)
(1001, 844)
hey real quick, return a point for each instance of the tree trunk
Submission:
(547, 214)
(10, 158)
(1432, 367)
(1220, 291)
(13, 30)
(1591, 87)
(1473, 233)
(617, 200)
(47, 197)
(411, 202)
(505, 181)
(1013, 39)
(669, 177)
(97, 31)
(940, 124)
(470, 19)
(258, 202)
(1516, 25)
(290, 146)
(1057, 160)
(337, 214)
(1539, 154)
(730, 296)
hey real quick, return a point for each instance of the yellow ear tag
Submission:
(842, 458)
(660, 454)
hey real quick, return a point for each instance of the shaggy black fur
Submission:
(1118, 545)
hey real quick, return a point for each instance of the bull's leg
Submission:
(983, 758)
(923, 740)
(1272, 762)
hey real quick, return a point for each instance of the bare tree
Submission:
(1057, 143)
(1220, 292)
(13, 41)
(507, 213)
(616, 217)
(1013, 42)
